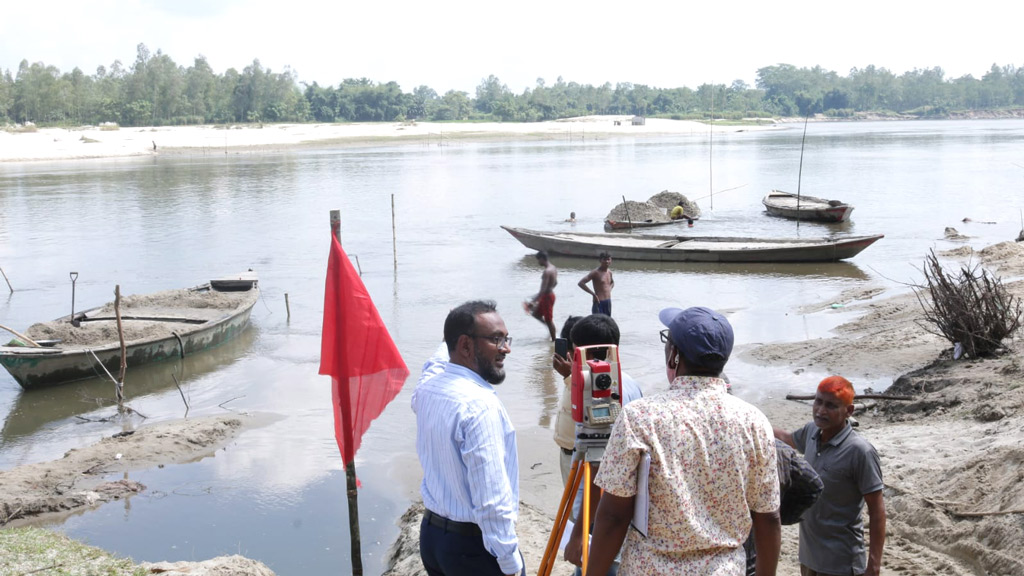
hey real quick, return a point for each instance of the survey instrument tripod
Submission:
(590, 446)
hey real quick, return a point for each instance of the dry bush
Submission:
(971, 308)
(109, 126)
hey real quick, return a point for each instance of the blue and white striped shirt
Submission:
(467, 448)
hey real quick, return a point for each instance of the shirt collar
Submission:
(839, 437)
(460, 370)
(697, 384)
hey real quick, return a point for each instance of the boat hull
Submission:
(809, 208)
(41, 367)
(621, 225)
(693, 249)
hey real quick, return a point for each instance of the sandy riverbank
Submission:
(95, 142)
(85, 478)
(952, 458)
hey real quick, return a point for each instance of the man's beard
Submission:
(488, 371)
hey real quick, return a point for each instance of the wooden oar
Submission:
(28, 340)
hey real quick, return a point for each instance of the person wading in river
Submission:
(603, 284)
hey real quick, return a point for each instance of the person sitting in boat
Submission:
(678, 212)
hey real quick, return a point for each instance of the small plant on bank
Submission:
(971, 308)
(109, 126)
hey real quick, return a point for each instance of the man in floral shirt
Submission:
(712, 466)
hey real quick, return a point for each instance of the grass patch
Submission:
(85, 140)
(34, 550)
(109, 126)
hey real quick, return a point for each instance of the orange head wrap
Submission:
(839, 387)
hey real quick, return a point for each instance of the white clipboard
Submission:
(642, 502)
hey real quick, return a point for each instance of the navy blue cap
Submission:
(703, 336)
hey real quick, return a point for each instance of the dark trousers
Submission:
(455, 553)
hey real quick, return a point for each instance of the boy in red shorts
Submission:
(542, 305)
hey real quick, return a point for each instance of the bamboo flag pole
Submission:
(350, 467)
(628, 217)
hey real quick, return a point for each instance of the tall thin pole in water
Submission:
(800, 173)
(394, 239)
(11, 288)
(711, 149)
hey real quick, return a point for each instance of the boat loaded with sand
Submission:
(694, 248)
(799, 207)
(158, 326)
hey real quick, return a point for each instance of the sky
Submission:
(455, 44)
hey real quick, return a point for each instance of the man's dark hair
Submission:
(594, 330)
(462, 320)
(541, 255)
(603, 255)
(567, 327)
(717, 365)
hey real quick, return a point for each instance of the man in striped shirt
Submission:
(467, 448)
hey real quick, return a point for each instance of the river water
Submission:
(278, 493)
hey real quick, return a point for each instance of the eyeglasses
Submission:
(665, 337)
(497, 340)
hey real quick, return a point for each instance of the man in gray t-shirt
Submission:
(831, 533)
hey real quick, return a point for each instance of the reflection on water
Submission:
(568, 265)
(277, 493)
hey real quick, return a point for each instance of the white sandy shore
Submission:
(93, 142)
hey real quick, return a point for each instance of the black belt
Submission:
(567, 451)
(464, 528)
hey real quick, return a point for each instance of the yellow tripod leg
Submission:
(586, 514)
(564, 512)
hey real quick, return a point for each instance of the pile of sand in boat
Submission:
(655, 209)
(198, 304)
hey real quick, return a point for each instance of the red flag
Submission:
(357, 352)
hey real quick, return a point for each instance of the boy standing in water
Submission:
(603, 284)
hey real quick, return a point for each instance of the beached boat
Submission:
(787, 205)
(693, 248)
(158, 326)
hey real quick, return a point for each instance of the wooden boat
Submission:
(612, 225)
(785, 204)
(693, 248)
(172, 323)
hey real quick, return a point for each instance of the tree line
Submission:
(156, 91)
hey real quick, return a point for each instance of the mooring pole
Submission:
(711, 151)
(9, 287)
(394, 239)
(350, 467)
(800, 172)
(119, 387)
